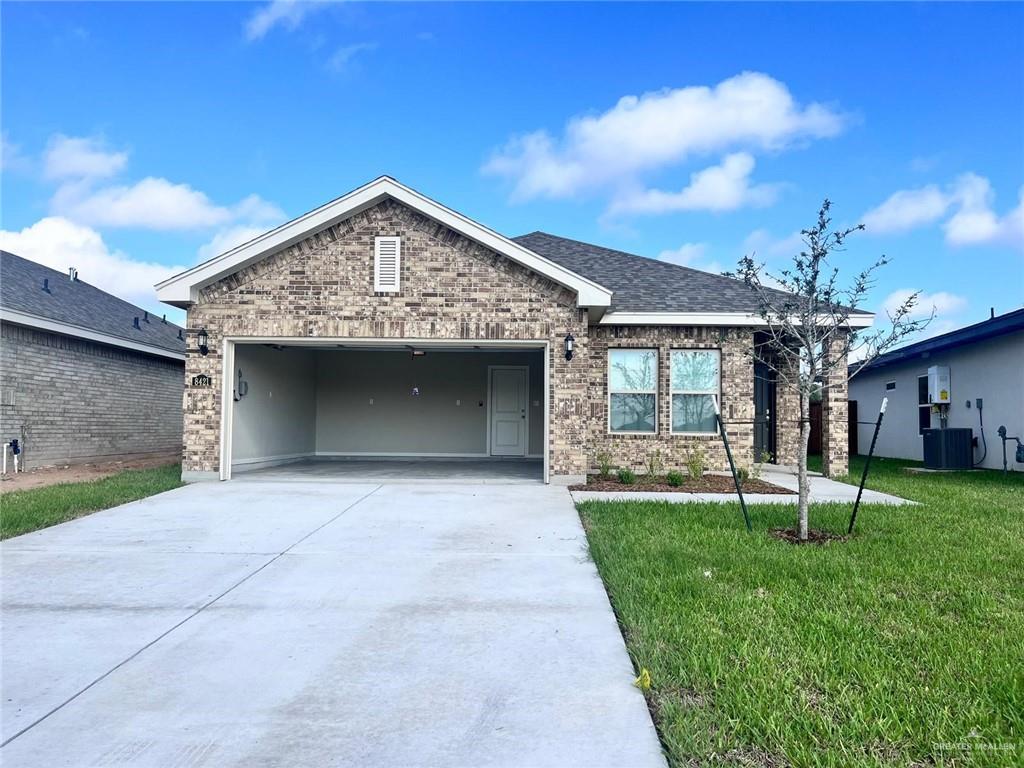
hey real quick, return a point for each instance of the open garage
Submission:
(321, 409)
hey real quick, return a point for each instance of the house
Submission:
(84, 376)
(986, 367)
(385, 325)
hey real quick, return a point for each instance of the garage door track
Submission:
(283, 623)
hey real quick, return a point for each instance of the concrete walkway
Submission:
(823, 491)
(270, 624)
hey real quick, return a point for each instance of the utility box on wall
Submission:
(938, 385)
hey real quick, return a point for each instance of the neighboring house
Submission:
(84, 376)
(985, 361)
(386, 325)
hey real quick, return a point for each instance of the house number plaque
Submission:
(202, 380)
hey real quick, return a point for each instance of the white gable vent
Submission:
(387, 264)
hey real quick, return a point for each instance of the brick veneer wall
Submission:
(737, 382)
(71, 400)
(835, 447)
(451, 288)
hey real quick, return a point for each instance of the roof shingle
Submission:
(77, 303)
(641, 284)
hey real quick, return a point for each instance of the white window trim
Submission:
(610, 392)
(717, 393)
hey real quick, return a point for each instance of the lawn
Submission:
(30, 510)
(904, 645)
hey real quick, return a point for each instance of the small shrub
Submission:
(626, 476)
(674, 478)
(742, 474)
(604, 465)
(762, 459)
(654, 464)
(695, 463)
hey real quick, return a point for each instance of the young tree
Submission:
(808, 337)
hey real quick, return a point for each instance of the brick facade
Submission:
(70, 400)
(453, 288)
(737, 399)
(835, 448)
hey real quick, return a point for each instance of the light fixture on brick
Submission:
(204, 342)
(570, 343)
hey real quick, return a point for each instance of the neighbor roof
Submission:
(987, 329)
(75, 308)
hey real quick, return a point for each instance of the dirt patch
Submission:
(707, 484)
(74, 473)
(813, 536)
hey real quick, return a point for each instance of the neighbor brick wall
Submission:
(737, 381)
(72, 400)
(452, 288)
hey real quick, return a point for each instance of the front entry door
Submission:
(764, 411)
(508, 427)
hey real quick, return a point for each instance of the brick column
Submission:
(835, 456)
(787, 415)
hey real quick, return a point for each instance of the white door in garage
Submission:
(509, 423)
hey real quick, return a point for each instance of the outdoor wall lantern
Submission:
(204, 341)
(570, 342)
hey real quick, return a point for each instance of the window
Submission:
(387, 264)
(924, 408)
(633, 390)
(696, 375)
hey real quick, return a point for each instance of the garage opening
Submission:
(409, 412)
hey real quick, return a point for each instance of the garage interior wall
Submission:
(345, 402)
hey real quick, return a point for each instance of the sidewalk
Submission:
(823, 490)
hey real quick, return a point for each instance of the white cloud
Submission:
(68, 157)
(228, 238)
(723, 187)
(79, 164)
(762, 243)
(941, 303)
(11, 157)
(907, 209)
(974, 220)
(152, 203)
(340, 60)
(658, 129)
(975, 223)
(59, 244)
(286, 13)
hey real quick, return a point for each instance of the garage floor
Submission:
(267, 623)
(402, 470)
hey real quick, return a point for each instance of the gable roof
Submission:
(987, 329)
(182, 289)
(651, 291)
(75, 308)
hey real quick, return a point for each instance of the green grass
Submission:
(877, 651)
(30, 510)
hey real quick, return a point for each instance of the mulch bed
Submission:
(707, 484)
(792, 535)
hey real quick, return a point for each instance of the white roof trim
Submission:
(55, 326)
(859, 320)
(182, 289)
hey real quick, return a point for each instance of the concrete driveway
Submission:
(283, 623)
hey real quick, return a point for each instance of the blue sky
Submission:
(140, 138)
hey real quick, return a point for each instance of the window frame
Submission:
(672, 392)
(609, 391)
